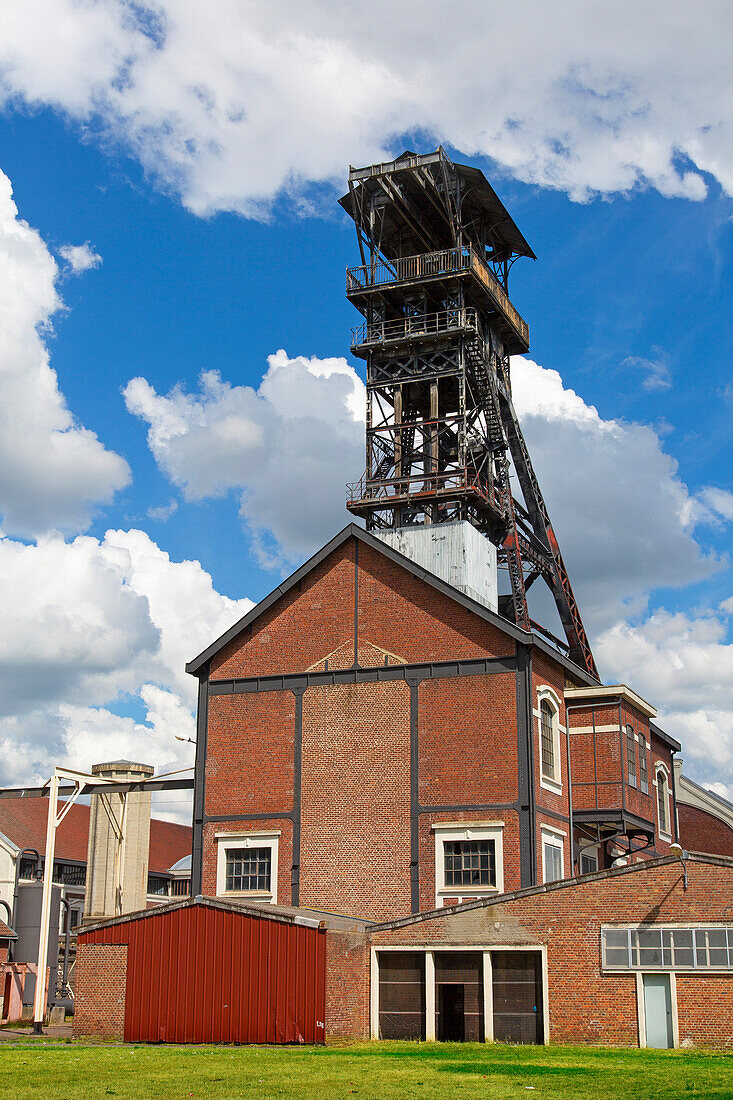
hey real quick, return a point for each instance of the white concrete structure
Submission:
(455, 552)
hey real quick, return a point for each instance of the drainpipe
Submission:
(16, 887)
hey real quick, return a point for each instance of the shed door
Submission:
(517, 989)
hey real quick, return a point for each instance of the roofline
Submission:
(547, 887)
(352, 530)
(250, 910)
(700, 798)
(675, 746)
(611, 691)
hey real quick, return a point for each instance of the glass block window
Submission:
(643, 766)
(667, 948)
(552, 855)
(547, 739)
(248, 868)
(631, 756)
(470, 862)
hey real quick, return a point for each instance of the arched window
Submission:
(663, 803)
(547, 740)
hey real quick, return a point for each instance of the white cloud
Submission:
(683, 664)
(53, 471)
(94, 626)
(719, 501)
(655, 371)
(163, 512)
(80, 257)
(623, 516)
(288, 447)
(230, 102)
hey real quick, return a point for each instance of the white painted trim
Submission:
(467, 830)
(374, 995)
(471, 948)
(612, 691)
(595, 729)
(552, 782)
(552, 829)
(640, 1011)
(224, 841)
(675, 1021)
(429, 997)
(664, 834)
(488, 976)
(550, 838)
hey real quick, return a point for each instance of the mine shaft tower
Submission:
(436, 247)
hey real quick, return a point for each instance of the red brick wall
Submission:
(355, 824)
(585, 1004)
(245, 732)
(701, 832)
(468, 739)
(101, 980)
(347, 985)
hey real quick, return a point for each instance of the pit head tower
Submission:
(437, 246)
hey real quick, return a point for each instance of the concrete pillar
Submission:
(117, 872)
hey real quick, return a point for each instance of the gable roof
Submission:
(23, 823)
(199, 664)
(547, 887)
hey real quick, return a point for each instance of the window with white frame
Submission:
(631, 756)
(664, 817)
(469, 859)
(589, 861)
(548, 718)
(246, 865)
(552, 854)
(643, 765)
(665, 948)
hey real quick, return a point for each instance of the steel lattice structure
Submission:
(436, 247)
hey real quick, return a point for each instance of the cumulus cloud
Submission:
(53, 471)
(91, 627)
(80, 257)
(287, 448)
(684, 665)
(624, 518)
(230, 103)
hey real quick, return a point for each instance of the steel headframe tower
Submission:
(436, 247)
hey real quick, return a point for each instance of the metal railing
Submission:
(429, 264)
(426, 324)
(423, 486)
(406, 268)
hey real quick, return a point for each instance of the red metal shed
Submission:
(204, 971)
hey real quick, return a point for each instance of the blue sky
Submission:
(220, 242)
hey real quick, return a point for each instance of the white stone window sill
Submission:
(550, 784)
(466, 891)
(666, 837)
(248, 895)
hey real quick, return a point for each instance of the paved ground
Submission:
(59, 1031)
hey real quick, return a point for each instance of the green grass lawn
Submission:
(384, 1071)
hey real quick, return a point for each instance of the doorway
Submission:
(451, 1014)
(658, 1023)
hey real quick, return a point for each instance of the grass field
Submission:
(388, 1071)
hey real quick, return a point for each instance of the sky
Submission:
(179, 411)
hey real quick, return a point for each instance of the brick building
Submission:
(375, 742)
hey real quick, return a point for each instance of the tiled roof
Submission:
(23, 821)
(6, 933)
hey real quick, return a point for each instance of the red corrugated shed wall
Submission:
(199, 974)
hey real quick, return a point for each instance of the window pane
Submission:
(248, 868)
(631, 755)
(469, 862)
(553, 862)
(547, 740)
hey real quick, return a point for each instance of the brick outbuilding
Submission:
(637, 955)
